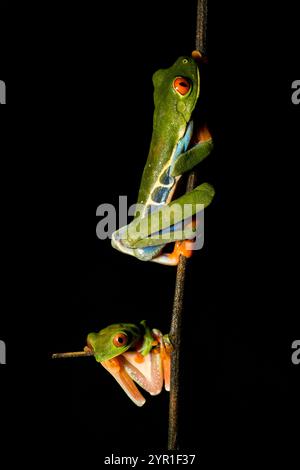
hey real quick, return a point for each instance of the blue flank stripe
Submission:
(166, 178)
(183, 144)
(160, 194)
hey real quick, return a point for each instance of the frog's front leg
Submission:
(165, 350)
(116, 368)
(203, 145)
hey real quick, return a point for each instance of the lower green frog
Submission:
(133, 353)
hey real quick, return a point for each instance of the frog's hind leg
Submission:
(116, 367)
(181, 248)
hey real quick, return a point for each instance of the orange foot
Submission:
(202, 135)
(180, 248)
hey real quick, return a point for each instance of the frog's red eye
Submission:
(181, 85)
(120, 339)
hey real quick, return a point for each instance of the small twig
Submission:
(67, 355)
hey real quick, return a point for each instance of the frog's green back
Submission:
(171, 115)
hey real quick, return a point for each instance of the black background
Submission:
(77, 129)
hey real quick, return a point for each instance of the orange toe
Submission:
(181, 248)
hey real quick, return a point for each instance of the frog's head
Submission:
(177, 88)
(113, 340)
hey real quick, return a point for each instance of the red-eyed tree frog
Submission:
(177, 145)
(133, 353)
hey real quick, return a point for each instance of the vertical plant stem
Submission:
(201, 27)
(175, 337)
(178, 303)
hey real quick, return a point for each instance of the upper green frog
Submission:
(176, 147)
